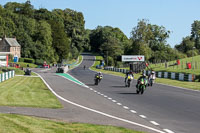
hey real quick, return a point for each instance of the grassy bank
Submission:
(10, 123)
(182, 68)
(184, 84)
(27, 92)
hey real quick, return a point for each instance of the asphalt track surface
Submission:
(163, 108)
(172, 108)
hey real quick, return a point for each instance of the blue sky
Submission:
(175, 15)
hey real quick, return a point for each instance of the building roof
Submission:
(12, 42)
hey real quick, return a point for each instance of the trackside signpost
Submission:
(132, 58)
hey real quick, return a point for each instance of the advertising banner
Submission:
(130, 58)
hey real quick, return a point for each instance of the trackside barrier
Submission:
(175, 76)
(170, 75)
(7, 75)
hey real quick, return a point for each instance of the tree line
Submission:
(57, 35)
(44, 35)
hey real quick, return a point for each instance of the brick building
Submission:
(10, 45)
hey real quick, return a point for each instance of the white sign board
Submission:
(130, 58)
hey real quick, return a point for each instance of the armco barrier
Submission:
(170, 75)
(6, 75)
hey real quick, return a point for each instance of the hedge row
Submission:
(33, 61)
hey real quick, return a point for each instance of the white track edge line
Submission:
(98, 112)
(168, 131)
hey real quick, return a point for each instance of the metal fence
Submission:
(6, 75)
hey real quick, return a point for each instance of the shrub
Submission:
(21, 59)
(39, 61)
(29, 60)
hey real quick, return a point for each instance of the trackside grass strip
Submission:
(11, 123)
(27, 92)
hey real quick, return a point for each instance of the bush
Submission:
(39, 61)
(110, 61)
(21, 59)
(29, 60)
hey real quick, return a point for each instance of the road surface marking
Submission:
(168, 131)
(119, 103)
(155, 123)
(133, 111)
(125, 107)
(110, 98)
(114, 101)
(142, 116)
(98, 112)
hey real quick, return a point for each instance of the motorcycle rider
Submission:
(100, 75)
(130, 73)
(151, 76)
(141, 77)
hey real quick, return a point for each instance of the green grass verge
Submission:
(24, 64)
(27, 92)
(184, 84)
(18, 71)
(179, 68)
(11, 123)
(80, 59)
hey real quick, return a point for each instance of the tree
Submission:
(111, 47)
(61, 42)
(108, 40)
(195, 33)
(74, 27)
(186, 45)
(147, 38)
(44, 40)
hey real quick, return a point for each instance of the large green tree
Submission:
(147, 39)
(108, 41)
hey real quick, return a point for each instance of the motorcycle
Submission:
(97, 80)
(128, 81)
(141, 86)
(151, 82)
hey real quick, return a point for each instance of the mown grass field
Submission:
(184, 84)
(27, 92)
(182, 68)
(10, 123)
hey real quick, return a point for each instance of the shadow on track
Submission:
(128, 93)
(90, 84)
(118, 86)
